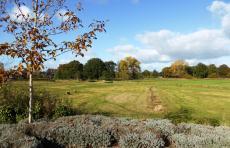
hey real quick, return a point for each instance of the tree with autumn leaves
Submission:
(33, 28)
(129, 68)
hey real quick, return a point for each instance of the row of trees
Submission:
(126, 69)
(181, 69)
(129, 69)
(95, 68)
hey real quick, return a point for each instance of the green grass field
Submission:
(146, 98)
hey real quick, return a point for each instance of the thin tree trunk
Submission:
(31, 96)
(32, 64)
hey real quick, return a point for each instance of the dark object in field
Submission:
(108, 81)
(92, 81)
(68, 93)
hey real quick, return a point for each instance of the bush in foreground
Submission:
(99, 131)
(14, 105)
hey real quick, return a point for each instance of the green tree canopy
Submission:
(109, 73)
(224, 71)
(212, 71)
(146, 74)
(200, 71)
(72, 70)
(94, 68)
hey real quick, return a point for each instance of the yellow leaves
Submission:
(20, 68)
(24, 41)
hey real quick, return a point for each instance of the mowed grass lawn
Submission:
(206, 98)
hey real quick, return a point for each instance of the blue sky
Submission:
(157, 32)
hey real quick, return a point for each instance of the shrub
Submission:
(98, 131)
(182, 115)
(134, 140)
(7, 114)
(63, 110)
(14, 105)
(208, 121)
(187, 76)
(213, 75)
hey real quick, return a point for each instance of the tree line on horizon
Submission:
(126, 69)
(181, 69)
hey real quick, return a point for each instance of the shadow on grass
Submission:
(185, 115)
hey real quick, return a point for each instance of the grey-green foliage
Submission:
(10, 136)
(144, 140)
(99, 131)
(193, 135)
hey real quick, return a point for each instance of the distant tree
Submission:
(146, 74)
(200, 71)
(224, 71)
(109, 73)
(134, 67)
(189, 70)
(123, 70)
(178, 69)
(212, 71)
(39, 74)
(94, 68)
(166, 72)
(129, 68)
(72, 70)
(155, 74)
(34, 31)
(50, 73)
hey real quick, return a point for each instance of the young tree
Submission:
(33, 26)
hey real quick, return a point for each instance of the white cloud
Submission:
(21, 10)
(166, 45)
(27, 12)
(144, 55)
(222, 10)
(201, 44)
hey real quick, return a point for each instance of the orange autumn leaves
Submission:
(33, 35)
